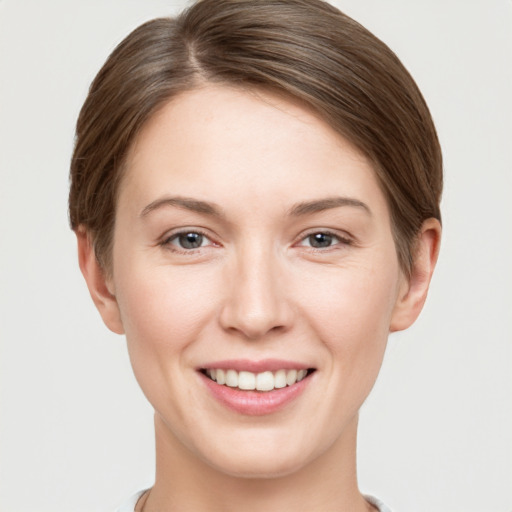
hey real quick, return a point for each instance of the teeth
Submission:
(232, 378)
(300, 375)
(291, 377)
(221, 377)
(264, 381)
(246, 380)
(279, 379)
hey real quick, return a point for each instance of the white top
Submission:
(374, 501)
(129, 506)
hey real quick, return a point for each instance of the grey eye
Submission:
(190, 240)
(320, 240)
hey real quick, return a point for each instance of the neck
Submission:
(185, 482)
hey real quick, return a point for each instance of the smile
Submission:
(256, 388)
(249, 381)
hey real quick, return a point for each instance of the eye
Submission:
(323, 240)
(187, 240)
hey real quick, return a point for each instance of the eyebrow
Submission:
(187, 203)
(211, 209)
(328, 203)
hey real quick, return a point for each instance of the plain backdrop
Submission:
(76, 432)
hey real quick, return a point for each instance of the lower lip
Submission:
(255, 403)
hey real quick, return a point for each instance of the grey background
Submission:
(76, 432)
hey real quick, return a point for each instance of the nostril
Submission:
(256, 305)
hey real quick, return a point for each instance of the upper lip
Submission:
(262, 365)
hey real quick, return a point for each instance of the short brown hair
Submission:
(306, 49)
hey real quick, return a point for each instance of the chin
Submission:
(260, 461)
(259, 469)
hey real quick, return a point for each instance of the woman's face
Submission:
(252, 243)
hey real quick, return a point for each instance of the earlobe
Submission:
(413, 293)
(100, 287)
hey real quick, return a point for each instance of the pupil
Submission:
(191, 240)
(320, 240)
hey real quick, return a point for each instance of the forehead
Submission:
(235, 143)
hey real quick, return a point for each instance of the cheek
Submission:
(162, 311)
(352, 311)
(354, 329)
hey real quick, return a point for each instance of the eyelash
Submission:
(167, 241)
(341, 240)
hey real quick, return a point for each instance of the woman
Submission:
(255, 191)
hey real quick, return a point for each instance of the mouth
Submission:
(265, 381)
(257, 388)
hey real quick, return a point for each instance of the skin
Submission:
(255, 289)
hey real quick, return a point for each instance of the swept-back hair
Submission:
(306, 49)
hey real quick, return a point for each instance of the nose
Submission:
(256, 302)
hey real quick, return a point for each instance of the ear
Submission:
(100, 288)
(413, 291)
